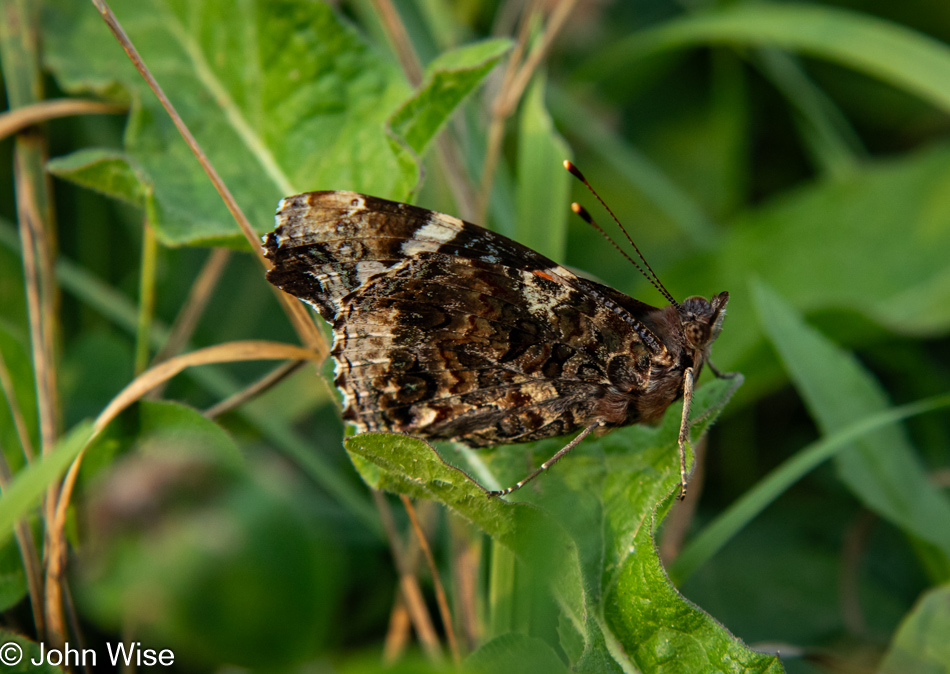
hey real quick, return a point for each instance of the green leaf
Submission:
(13, 585)
(834, 145)
(30, 651)
(16, 358)
(921, 645)
(405, 465)
(642, 466)
(155, 425)
(892, 53)
(882, 470)
(448, 81)
(30, 484)
(543, 184)
(583, 516)
(105, 171)
(661, 631)
(514, 653)
(283, 96)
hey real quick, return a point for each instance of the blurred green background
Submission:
(793, 154)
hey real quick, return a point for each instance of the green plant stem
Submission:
(146, 297)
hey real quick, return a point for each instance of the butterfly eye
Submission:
(697, 334)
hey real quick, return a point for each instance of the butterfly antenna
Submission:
(582, 212)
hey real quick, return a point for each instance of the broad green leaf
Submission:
(921, 645)
(882, 470)
(409, 466)
(448, 81)
(283, 96)
(514, 653)
(30, 484)
(105, 171)
(661, 631)
(543, 184)
(12, 645)
(890, 52)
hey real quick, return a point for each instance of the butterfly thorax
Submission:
(686, 332)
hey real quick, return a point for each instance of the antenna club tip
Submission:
(574, 170)
(581, 211)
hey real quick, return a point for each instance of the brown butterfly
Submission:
(446, 331)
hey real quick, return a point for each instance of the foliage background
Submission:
(794, 154)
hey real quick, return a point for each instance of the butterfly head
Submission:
(702, 319)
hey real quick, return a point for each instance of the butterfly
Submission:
(444, 330)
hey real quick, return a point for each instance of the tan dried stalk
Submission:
(408, 584)
(20, 119)
(436, 580)
(517, 77)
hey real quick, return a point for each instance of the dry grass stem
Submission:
(517, 77)
(852, 549)
(18, 119)
(397, 635)
(31, 234)
(399, 38)
(466, 562)
(496, 127)
(259, 387)
(409, 584)
(440, 597)
(19, 32)
(558, 18)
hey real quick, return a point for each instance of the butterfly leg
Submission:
(684, 427)
(550, 462)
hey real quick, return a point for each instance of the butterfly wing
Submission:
(445, 330)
